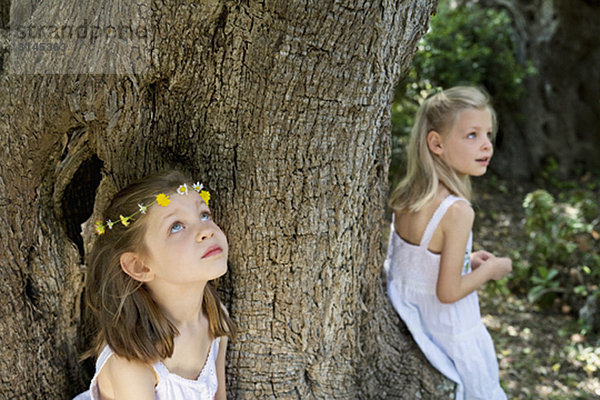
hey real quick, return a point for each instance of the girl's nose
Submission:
(205, 232)
(487, 143)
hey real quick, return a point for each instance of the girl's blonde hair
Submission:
(127, 318)
(425, 170)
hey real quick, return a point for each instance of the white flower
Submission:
(183, 189)
(143, 208)
(198, 187)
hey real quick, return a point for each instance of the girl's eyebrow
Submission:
(166, 217)
(199, 205)
(478, 127)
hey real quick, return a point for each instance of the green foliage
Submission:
(561, 257)
(473, 44)
(543, 282)
(466, 44)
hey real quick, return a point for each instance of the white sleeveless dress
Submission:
(170, 386)
(452, 336)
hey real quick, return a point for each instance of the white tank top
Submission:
(170, 386)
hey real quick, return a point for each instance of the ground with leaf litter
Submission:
(542, 353)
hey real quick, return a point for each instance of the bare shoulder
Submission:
(220, 365)
(122, 378)
(223, 340)
(459, 214)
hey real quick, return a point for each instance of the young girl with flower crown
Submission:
(162, 331)
(432, 274)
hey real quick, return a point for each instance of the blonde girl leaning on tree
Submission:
(432, 274)
(162, 331)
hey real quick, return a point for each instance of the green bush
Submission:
(471, 44)
(561, 258)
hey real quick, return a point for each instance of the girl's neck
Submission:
(183, 307)
(442, 191)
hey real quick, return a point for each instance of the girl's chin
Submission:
(479, 171)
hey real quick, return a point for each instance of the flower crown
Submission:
(161, 199)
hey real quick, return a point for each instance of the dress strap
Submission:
(107, 353)
(161, 373)
(436, 218)
(103, 358)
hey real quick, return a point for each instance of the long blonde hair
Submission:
(126, 316)
(424, 170)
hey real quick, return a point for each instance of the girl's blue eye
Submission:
(205, 217)
(471, 135)
(176, 227)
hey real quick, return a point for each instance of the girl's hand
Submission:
(499, 267)
(479, 257)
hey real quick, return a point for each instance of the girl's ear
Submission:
(434, 142)
(133, 266)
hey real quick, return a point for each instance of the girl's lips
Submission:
(213, 251)
(484, 160)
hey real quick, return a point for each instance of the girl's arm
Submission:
(221, 391)
(452, 285)
(123, 379)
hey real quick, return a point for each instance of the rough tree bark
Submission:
(283, 109)
(559, 115)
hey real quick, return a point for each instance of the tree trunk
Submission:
(283, 109)
(559, 115)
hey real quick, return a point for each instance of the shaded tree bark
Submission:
(559, 116)
(283, 109)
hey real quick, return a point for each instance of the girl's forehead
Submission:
(178, 204)
(480, 117)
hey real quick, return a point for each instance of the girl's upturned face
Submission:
(184, 244)
(467, 147)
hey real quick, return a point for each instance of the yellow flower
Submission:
(100, 228)
(205, 194)
(163, 200)
(124, 220)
